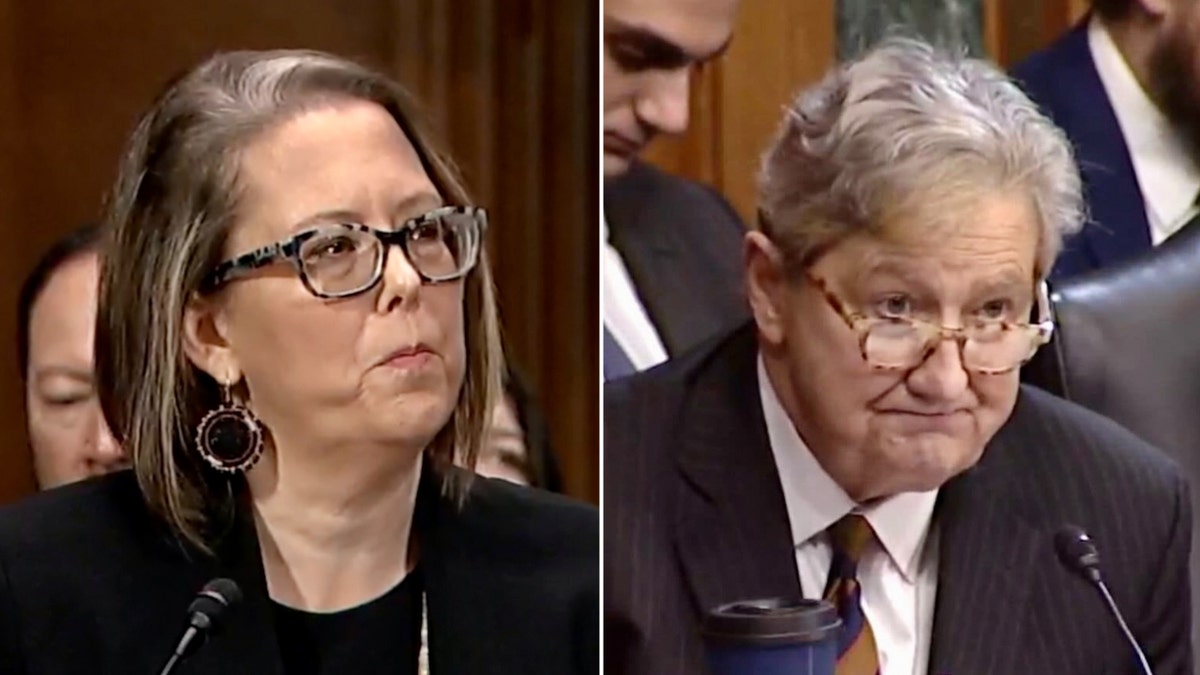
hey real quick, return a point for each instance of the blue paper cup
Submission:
(772, 636)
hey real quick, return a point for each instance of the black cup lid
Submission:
(772, 621)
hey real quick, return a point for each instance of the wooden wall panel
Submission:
(753, 96)
(512, 86)
(1017, 28)
(15, 472)
(570, 228)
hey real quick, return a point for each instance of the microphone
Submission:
(1077, 552)
(204, 615)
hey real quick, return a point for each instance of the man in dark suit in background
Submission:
(670, 259)
(1125, 86)
(865, 439)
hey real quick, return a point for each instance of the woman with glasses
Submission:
(297, 339)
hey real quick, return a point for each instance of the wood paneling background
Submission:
(1021, 27)
(15, 472)
(782, 46)
(512, 86)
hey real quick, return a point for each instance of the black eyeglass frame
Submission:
(289, 250)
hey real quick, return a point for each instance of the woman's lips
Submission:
(414, 356)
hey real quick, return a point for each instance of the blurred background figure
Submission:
(671, 246)
(517, 446)
(1124, 84)
(56, 317)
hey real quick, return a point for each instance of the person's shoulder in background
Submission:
(645, 187)
(1043, 74)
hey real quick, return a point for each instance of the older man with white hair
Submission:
(911, 206)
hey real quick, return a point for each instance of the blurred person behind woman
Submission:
(517, 446)
(297, 331)
(56, 326)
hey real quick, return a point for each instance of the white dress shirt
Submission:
(897, 573)
(1168, 178)
(624, 316)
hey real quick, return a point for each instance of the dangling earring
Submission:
(230, 438)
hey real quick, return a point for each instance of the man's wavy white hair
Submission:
(908, 126)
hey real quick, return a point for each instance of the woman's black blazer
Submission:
(91, 582)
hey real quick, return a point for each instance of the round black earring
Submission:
(230, 438)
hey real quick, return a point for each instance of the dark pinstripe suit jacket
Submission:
(695, 517)
(681, 243)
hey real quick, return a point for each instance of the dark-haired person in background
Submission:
(1125, 86)
(670, 265)
(56, 324)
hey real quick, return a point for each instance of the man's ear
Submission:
(766, 285)
(206, 340)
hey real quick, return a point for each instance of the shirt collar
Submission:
(815, 501)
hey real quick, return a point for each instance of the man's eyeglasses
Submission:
(988, 347)
(341, 260)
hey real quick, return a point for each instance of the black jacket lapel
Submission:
(988, 553)
(733, 538)
(665, 230)
(641, 234)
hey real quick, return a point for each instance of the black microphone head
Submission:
(1076, 551)
(214, 599)
(225, 588)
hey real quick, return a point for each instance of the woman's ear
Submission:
(1159, 8)
(206, 341)
(765, 284)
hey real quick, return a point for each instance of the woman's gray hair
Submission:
(176, 196)
(903, 124)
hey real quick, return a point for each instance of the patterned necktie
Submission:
(857, 654)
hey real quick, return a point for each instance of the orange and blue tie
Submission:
(857, 653)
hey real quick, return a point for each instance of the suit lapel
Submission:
(988, 554)
(662, 282)
(734, 541)
(1118, 226)
(649, 235)
(733, 538)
